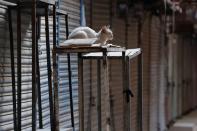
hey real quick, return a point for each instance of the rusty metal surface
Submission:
(38, 78)
(81, 93)
(130, 54)
(55, 77)
(140, 94)
(84, 49)
(49, 67)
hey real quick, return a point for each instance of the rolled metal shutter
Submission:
(100, 17)
(6, 111)
(155, 49)
(133, 43)
(73, 10)
(146, 46)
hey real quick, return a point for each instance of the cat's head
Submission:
(106, 31)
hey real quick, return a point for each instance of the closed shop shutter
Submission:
(100, 17)
(133, 43)
(154, 71)
(194, 70)
(116, 88)
(163, 80)
(6, 113)
(180, 67)
(73, 9)
(179, 75)
(146, 46)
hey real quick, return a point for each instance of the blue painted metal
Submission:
(82, 13)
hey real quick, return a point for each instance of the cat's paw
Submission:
(106, 45)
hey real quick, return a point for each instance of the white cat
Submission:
(102, 36)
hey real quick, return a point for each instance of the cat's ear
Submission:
(104, 27)
(108, 26)
(103, 30)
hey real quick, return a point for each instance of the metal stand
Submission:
(70, 78)
(140, 95)
(19, 66)
(79, 50)
(53, 96)
(36, 90)
(125, 56)
(99, 94)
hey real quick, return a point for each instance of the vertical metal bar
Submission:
(140, 95)
(106, 92)
(55, 76)
(66, 24)
(70, 92)
(49, 67)
(126, 90)
(128, 106)
(38, 77)
(33, 65)
(70, 78)
(19, 64)
(38, 27)
(12, 69)
(81, 92)
(99, 94)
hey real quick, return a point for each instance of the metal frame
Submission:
(126, 84)
(79, 50)
(99, 94)
(140, 94)
(34, 4)
(70, 78)
(54, 105)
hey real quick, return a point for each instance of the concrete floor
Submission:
(186, 123)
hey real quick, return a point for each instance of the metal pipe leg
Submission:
(12, 69)
(70, 77)
(70, 92)
(19, 65)
(99, 94)
(38, 77)
(127, 92)
(55, 76)
(34, 90)
(81, 92)
(140, 95)
(66, 24)
(49, 68)
(106, 92)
